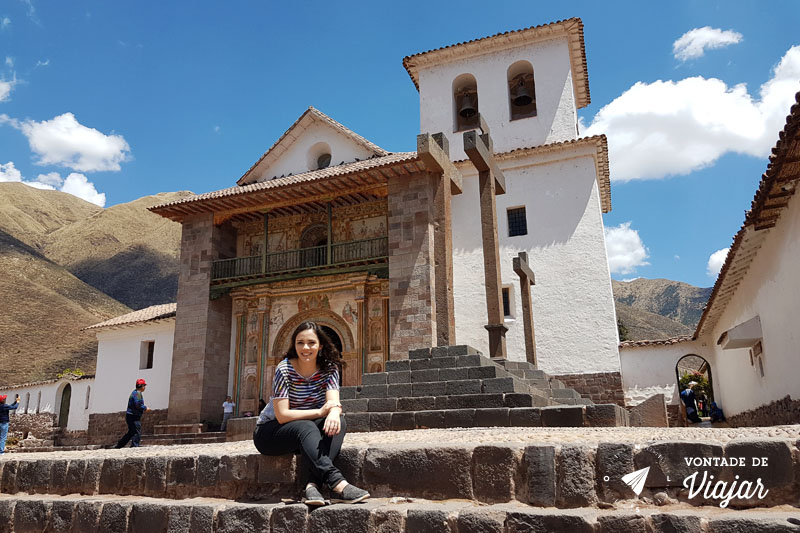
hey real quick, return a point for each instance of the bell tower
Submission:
(527, 84)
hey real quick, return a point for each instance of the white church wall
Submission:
(316, 139)
(46, 398)
(119, 366)
(649, 370)
(770, 290)
(574, 317)
(556, 117)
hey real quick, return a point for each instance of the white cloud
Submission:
(6, 87)
(677, 257)
(715, 262)
(668, 128)
(51, 178)
(65, 142)
(9, 172)
(41, 63)
(10, 61)
(694, 43)
(216, 129)
(5, 22)
(78, 185)
(75, 184)
(625, 249)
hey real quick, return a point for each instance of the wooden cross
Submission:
(526, 279)
(491, 182)
(445, 178)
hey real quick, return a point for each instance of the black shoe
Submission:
(350, 494)
(312, 496)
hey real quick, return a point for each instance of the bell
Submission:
(520, 96)
(467, 106)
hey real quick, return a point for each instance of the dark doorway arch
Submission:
(63, 412)
(693, 367)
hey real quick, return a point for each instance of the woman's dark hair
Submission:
(328, 355)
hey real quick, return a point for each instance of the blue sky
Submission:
(112, 101)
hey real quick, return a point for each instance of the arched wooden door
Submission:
(63, 412)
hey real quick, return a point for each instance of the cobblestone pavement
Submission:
(464, 437)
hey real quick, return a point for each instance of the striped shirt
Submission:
(303, 393)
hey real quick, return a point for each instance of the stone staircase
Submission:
(456, 386)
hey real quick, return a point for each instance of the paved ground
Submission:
(466, 437)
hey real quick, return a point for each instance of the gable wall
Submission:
(295, 159)
(118, 366)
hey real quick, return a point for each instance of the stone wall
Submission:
(777, 413)
(201, 352)
(675, 416)
(107, 428)
(412, 309)
(650, 413)
(601, 387)
(40, 425)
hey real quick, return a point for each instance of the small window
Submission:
(146, 351)
(517, 222)
(507, 302)
(324, 161)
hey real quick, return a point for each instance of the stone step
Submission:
(566, 471)
(24, 513)
(403, 365)
(435, 374)
(379, 514)
(459, 401)
(183, 438)
(603, 415)
(436, 388)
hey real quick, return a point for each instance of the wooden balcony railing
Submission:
(303, 259)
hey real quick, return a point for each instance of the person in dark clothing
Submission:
(4, 419)
(688, 399)
(133, 416)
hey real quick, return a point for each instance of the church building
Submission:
(384, 249)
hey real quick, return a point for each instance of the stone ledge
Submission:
(23, 513)
(567, 475)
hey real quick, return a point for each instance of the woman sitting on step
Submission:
(304, 414)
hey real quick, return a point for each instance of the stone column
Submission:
(201, 351)
(412, 307)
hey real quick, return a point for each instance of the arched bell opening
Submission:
(521, 90)
(465, 103)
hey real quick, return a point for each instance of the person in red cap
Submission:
(133, 416)
(4, 409)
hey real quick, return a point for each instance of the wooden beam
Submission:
(477, 151)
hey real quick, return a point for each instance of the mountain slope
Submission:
(673, 299)
(43, 310)
(125, 251)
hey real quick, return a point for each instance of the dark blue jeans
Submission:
(306, 436)
(134, 434)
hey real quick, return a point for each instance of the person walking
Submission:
(227, 412)
(4, 419)
(133, 416)
(304, 414)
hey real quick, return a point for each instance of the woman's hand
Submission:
(333, 424)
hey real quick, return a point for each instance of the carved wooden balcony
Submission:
(303, 260)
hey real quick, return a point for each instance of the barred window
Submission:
(517, 222)
(506, 302)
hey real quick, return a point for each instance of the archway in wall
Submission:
(694, 368)
(63, 411)
(332, 324)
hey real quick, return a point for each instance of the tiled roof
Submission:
(776, 188)
(598, 141)
(148, 314)
(660, 342)
(314, 113)
(571, 28)
(43, 382)
(306, 177)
